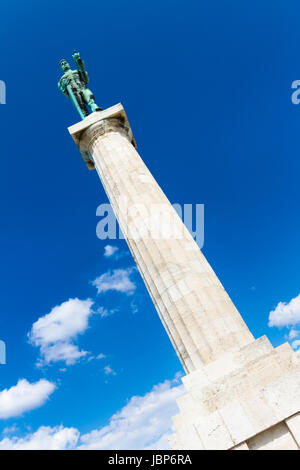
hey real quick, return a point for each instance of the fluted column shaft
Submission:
(196, 311)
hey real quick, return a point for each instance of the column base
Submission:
(248, 399)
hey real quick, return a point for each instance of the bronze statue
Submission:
(73, 85)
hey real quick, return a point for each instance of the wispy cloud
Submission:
(296, 344)
(114, 252)
(45, 438)
(143, 423)
(116, 280)
(55, 332)
(24, 396)
(293, 334)
(100, 356)
(135, 304)
(109, 371)
(110, 250)
(60, 352)
(11, 429)
(105, 312)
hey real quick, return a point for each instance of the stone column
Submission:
(241, 393)
(196, 311)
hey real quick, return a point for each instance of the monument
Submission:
(73, 84)
(241, 393)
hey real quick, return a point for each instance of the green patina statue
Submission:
(73, 85)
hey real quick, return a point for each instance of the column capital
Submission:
(85, 132)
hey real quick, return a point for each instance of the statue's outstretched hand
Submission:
(76, 55)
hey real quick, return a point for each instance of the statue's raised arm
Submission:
(73, 85)
(81, 68)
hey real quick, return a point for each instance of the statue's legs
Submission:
(81, 99)
(90, 100)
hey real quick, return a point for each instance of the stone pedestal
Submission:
(248, 399)
(234, 384)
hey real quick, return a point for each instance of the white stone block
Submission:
(213, 433)
(237, 421)
(242, 446)
(293, 423)
(276, 438)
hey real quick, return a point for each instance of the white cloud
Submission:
(45, 438)
(10, 429)
(53, 333)
(144, 423)
(110, 250)
(109, 371)
(117, 280)
(293, 334)
(24, 396)
(161, 444)
(67, 352)
(286, 314)
(114, 252)
(64, 322)
(296, 344)
(104, 312)
(100, 356)
(135, 305)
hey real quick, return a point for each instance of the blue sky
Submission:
(207, 89)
